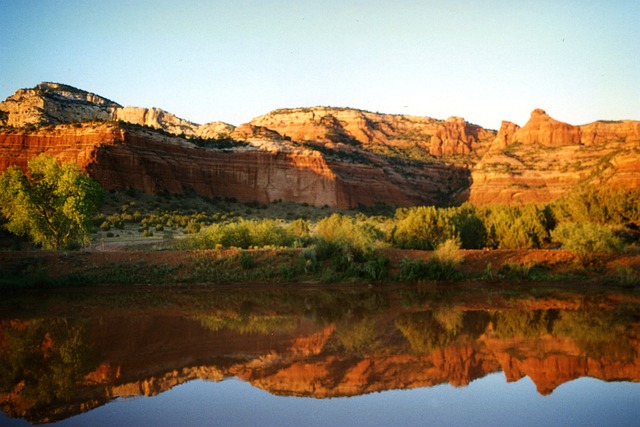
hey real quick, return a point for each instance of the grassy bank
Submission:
(46, 269)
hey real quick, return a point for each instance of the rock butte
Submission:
(323, 156)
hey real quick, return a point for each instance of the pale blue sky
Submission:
(232, 60)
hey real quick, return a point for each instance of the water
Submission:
(390, 356)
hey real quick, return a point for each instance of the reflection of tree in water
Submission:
(523, 323)
(43, 361)
(249, 324)
(423, 331)
(598, 332)
(358, 336)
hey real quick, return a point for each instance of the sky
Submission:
(233, 60)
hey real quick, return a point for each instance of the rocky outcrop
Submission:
(601, 132)
(505, 135)
(544, 130)
(366, 129)
(54, 103)
(546, 159)
(322, 155)
(541, 129)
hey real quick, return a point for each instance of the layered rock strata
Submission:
(546, 159)
(335, 156)
(121, 157)
(326, 124)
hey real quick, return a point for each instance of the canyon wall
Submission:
(322, 155)
(120, 158)
(55, 103)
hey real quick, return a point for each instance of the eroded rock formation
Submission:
(335, 156)
(545, 159)
(54, 103)
(326, 124)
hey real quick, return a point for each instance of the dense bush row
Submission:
(588, 222)
(591, 223)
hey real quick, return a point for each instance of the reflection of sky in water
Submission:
(488, 401)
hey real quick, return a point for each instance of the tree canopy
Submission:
(53, 204)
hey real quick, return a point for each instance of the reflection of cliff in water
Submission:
(79, 353)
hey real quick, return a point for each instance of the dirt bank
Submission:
(164, 266)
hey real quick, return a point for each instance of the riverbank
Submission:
(42, 269)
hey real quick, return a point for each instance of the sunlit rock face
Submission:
(121, 157)
(546, 159)
(346, 125)
(542, 129)
(54, 103)
(339, 157)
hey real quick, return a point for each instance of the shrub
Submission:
(448, 252)
(512, 227)
(470, 228)
(243, 234)
(441, 266)
(412, 269)
(246, 260)
(591, 242)
(423, 227)
(340, 234)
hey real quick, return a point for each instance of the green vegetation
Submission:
(284, 242)
(54, 204)
(589, 241)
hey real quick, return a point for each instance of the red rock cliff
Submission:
(325, 124)
(127, 157)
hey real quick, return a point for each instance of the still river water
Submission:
(386, 355)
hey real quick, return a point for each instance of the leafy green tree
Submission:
(470, 228)
(53, 204)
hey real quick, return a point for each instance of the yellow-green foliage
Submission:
(54, 204)
(243, 234)
(612, 206)
(513, 227)
(589, 241)
(423, 227)
(348, 235)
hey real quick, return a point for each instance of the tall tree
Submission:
(53, 204)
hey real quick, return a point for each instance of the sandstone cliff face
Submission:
(120, 158)
(325, 124)
(505, 135)
(602, 132)
(545, 159)
(544, 130)
(52, 103)
(335, 156)
(541, 129)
